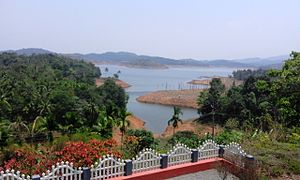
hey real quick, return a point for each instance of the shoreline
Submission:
(181, 98)
(134, 123)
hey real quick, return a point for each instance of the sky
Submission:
(199, 29)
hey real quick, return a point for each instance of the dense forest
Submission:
(266, 101)
(246, 73)
(41, 94)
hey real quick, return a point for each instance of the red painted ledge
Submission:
(174, 171)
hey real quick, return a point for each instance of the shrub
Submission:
(37, 160)
(144, 139)
(228, 136)
(185, 137)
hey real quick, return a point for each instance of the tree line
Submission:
(268, 101)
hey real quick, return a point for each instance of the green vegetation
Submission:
(47, 96)
(137, 140)
(263, 115)
(210, 102)
(185, 137)
(43, 94)
(246, 73)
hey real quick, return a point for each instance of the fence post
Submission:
(86, 173)
(36, 177)
(195, 155)
(250, 162)
(163, 161)
(128, 167)
(221, 151)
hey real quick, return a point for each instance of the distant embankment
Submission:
(228, 82)
(119, 82)
(182, 98)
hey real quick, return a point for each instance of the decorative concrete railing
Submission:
(109, 167)
(63, 170)
(179, 154)
(11, 174)
(146, 160)
(209, 149)
(234, 153)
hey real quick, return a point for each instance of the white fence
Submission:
(108, 167)
(179, 155)
(12, 175)
(146, 160)
(208, 150)
(235, 154)
(63, 171)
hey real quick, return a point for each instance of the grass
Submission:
(275, 158)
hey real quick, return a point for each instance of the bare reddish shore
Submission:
(100, 81)
(134, 123)
(182, 98)
(188, 125)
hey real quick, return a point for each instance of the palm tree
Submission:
(38, 126)
(175, 118)
(122, 122)
(19, 128)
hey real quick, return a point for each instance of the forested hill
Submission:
(56, 91)
(143, 61)
(48, 66)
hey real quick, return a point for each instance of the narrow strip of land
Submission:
(227, 81)
(119, 82)
(182, 98)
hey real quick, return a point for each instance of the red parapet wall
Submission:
(177, 170)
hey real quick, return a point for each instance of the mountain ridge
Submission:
(145, 61)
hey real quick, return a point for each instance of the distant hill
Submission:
(126, 58)
(144, 61)
(30, 51)
(266, 63)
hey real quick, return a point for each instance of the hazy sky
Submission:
(201, 29)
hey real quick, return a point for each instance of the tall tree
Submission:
(286, 90)
(210, 102)
(123, 122)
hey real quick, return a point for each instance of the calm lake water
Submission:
(143, 81)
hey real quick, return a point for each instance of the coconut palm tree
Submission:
(122, 122)
(175, 118)
(37, 126)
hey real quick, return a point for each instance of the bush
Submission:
(188, 138)
(144, 140)
(232, 123)
(229, 136)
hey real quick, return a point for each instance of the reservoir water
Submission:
(146, 80)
